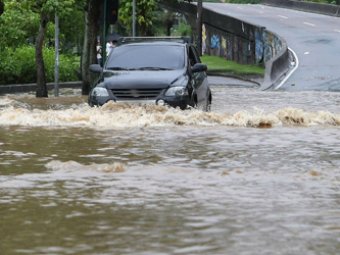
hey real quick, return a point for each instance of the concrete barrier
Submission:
(276, 68)
(22, 88)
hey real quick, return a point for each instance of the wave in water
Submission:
(120, 115)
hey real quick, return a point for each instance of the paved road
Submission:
(315, 38)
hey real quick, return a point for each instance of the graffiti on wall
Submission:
(259, 46)
(263, 46)
(227, 45)
(272, 45)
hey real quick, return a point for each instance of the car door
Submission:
(199, 79)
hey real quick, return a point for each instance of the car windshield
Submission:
(146, 57)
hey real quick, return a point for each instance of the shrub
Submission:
(182, 29)
(18, 65)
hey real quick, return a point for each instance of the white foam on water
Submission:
(17, 154)
(120, 116)
(5, 101)
(73, 166)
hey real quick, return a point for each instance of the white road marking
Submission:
(283, 17)
(309, 24)
(337, 30)
(306, 53)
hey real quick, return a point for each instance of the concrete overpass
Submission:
(315, 39)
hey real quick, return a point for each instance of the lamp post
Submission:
(56, 48)
(104, 31)
(199, 26)
(133, 18)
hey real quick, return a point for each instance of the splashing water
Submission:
(120, 115)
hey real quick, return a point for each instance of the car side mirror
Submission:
(96, 68)
(199, 67)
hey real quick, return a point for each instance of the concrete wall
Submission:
(230, 38)
(224, 36)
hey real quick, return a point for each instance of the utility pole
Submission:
(133, 18)
(56, 48)
(104, 31)
(199, 26)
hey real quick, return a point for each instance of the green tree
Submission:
(144, 15)
(92, 14)
(23, 19)
(17, 25)
(46, 9)
(72, 27)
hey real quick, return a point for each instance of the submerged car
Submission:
(150, 70)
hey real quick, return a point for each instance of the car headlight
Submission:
(100, 92)
(176, 91)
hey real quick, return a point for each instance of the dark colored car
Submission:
(163, 72)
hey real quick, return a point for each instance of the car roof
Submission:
(154, 41)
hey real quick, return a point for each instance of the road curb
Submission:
(22, 88)
(256, 79)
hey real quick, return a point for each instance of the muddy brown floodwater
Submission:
(260, 174)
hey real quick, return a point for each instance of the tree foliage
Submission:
(144, 15)
(28, 21)
(46, 9)
(19, 25)
(31, 22)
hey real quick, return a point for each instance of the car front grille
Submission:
(139, 94)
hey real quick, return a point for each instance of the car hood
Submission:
(143, 79)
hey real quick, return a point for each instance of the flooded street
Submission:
(260, 174)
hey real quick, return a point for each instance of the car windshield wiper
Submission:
(119, 68)
(153, 68)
